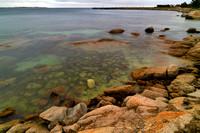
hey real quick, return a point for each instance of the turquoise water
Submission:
(36, 54)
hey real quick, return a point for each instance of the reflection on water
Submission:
(39, 61)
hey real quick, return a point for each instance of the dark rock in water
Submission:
(64, 115)
(120, 92)
(116, 31)
(167, 29)
(6, 126)
(150, 73)
(161, 35)
(192, 30)
(32, 117)
(135, 34)
(7, 112)
(149, 30)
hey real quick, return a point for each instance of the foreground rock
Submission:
(149, 30)
(182, 85)
(110, 118)
(5, 127)
(64, 114)
(193, 15)
(150, 73)
(28, 127)
(116, 31)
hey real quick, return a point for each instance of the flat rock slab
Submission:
(149, 73)
(195, 94)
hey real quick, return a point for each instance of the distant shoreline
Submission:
(179, 9)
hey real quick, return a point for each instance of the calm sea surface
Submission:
(36, 55)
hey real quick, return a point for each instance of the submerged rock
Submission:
(135, 34)
(149, 30)
(102, 42)
(7, 112)
(91, 83)
(116, 31)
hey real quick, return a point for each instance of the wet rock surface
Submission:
(149, 30)
(116, 31)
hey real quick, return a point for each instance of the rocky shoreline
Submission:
(168, 100)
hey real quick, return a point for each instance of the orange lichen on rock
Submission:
(135, 102)
(166, 115)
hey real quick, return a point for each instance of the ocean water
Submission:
(37, 55)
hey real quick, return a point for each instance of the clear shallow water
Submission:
(39, 55)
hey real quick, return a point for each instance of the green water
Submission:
(37, 55)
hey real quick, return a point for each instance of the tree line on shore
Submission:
(192, 4)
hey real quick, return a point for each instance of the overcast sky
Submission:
(86, 3)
